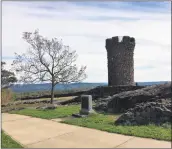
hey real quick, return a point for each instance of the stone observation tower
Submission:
(120, 56)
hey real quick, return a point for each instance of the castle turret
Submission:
(120, 55)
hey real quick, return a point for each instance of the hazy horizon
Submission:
(97, 82)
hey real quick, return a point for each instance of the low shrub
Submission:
(7, 96)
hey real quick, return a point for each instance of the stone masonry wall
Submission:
(120, 60)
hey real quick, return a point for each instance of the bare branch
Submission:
(47, 60)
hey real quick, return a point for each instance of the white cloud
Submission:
(87, 36)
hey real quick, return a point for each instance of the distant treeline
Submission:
(68, 87)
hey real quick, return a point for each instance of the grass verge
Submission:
(59, 112)
(106, 123)
(8, 142)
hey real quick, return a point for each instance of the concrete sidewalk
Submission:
(39, 133)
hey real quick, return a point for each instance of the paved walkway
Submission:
(39, 133)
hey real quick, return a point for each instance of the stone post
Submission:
(86, 104)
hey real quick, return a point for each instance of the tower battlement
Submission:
(120, 55)
(126, 40)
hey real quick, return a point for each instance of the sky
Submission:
(85, 26)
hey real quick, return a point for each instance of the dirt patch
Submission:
(63, 119)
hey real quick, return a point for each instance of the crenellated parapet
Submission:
(115, 41)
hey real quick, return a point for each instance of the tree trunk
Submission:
(52, 92)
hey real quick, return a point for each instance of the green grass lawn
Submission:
(59, 112)
(8, 142)
(106, 123)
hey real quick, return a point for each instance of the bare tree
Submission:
(47, 61)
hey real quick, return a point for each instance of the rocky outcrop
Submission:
(125, 100)
(158, 112)
(103, 92)
(101, 104)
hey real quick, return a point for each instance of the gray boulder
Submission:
(129, 99)
(158, 112)
(101, 104)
